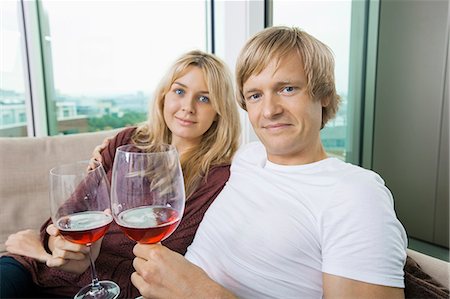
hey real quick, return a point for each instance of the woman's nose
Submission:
(188, 104)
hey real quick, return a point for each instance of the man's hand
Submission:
(96, 153)
(68, 256)
(162, 273)
(27, 243)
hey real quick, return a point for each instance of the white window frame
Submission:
(234, 23)
(33, 70)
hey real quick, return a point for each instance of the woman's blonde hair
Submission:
(220, 141)
(277, 42)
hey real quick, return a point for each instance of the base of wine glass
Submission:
(109, 290)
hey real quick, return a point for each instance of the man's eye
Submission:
(179, 91)
(288, 89)
(254, 97)
(203, 99)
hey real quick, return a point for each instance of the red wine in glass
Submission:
(147, 191)
(149, 224)
(81, 210)
(84, 227)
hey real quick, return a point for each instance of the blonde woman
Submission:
(193, 109)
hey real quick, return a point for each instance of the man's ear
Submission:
(325, 101)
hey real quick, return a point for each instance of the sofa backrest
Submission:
(24, 166)
(436, 268)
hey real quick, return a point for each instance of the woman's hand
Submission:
(69, 256)
(27, 243)
(162, 273)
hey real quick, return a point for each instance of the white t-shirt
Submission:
(274, 229)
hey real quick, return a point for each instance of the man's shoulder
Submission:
(359, 186)
(357, 175)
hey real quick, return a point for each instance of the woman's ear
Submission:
(325, 101)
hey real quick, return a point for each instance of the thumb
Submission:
(52, 230)
(53, 262)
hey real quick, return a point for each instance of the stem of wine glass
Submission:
(95, 283)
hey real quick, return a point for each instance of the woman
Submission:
(193, 109)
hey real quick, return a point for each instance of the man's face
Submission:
(283, 115)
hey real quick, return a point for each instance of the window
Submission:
(13, 120)
(330, 22)
(103, 59)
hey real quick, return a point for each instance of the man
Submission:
(291, 222)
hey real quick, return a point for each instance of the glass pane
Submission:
(103, 59)
(329, 21)
(13, 115)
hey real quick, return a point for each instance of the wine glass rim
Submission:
(56, 170)
(167, 148)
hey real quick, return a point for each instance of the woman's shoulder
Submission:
(217, 176)
(218, 171)
(121, 138)
(124, 136)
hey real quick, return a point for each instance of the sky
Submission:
(119, 47)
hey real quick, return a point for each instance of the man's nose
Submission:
(272, 106)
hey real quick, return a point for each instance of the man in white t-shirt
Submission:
(291, 222)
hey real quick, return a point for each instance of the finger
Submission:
(63, 244)
(138, 265)
(106, 141)
(91, 164)
(55, 262)
(67, 255)
(52, 230)
(143, 250)
(97, 153)
(11, 239)
(143, 287)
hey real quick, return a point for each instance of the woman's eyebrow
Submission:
(178, 83)
(185, 86)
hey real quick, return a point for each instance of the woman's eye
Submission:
(203, 99)
(179, 91)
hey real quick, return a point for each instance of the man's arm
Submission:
(162, 273)
(337, 287)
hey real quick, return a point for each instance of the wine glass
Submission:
(80, 209)
(147, 192)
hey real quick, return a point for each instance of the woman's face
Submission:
(188, 112)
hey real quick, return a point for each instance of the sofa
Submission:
(24, 166)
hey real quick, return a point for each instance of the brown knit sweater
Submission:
(116, 256)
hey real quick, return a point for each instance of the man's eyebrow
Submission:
(276, 84)
(245, 91)
(288, 81)
(299, 83)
